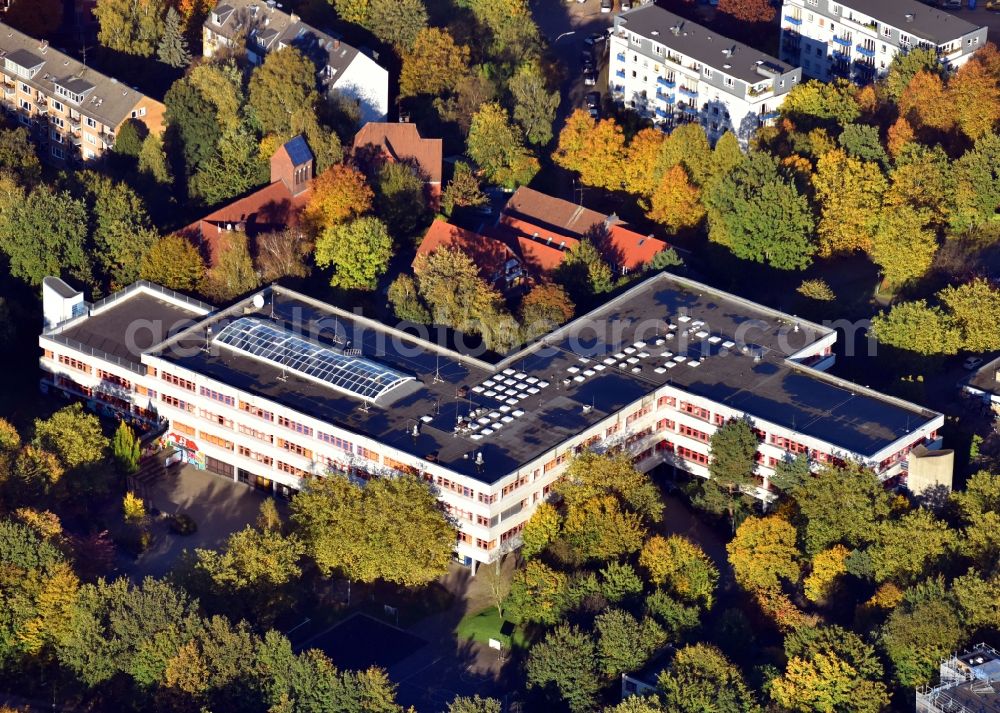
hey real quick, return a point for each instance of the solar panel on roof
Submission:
(298, 151)
(268, 342)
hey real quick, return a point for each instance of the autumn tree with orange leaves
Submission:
(339, 193)
(676, 204)
(594, 149)
(748, 10)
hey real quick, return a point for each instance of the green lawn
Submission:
(485, 625)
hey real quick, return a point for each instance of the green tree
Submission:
(474, 704)
(815, 102)
(125, 448)
(903, 245)
(591, 475)
(400, 199)
(18, 155)
(904, 67)
(393, 529)
(286, 80)
(233, 273)
(981, 495)
(497, 147)
(975, 310)
(44, 233)
(463, 190)
(763, 552)
(840, 505)
(153, 160)
(73, 435)
(625, 645)
(449, 283)
(667, 257)
(131, 26)
(540, 530)
(396, 22)
(405, 301)
(978, 599)
(534, 105)
(359, 253)
(565, 663)
(674, 616)
(233, 169)
(434, 65)
(917, 327)
(731, 468)
(538, 594)
(700, 679)
(977, 184)
(827, 684)
(121, 229)
(510, 24)
(862, 141)
(173, 50)
(816, 289)
(619, 582)
(681, 568)
(128, 140)
(39, 590)
(120, 628)
(172, 261)
(911, 547)
(921, 632)
(601, 529)
(760, 215)
(584, 273)
(193, 129)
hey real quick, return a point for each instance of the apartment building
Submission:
(674, 71)
(857, 40)
(72, 111)
(259, 27)
(279, 386)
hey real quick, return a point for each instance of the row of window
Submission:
(216, 396)
(75, 364)
(294, 425)
(114, 379)
(177, 403)
(177, 381)
(259, 457)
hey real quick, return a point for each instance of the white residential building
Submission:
(673, 71)
(857, 39)
(262, 26)
(279, 386)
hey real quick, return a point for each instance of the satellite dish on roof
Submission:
(258, 301)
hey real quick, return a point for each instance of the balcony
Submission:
(662, 113)
(792, 20)
(690, 110)
(843, 41)
(841, 56)
(620, 56)
(770, 116)
(692, 93)
(664, 82)
(9, 89)
(663, 96)
(862, 50)
(620, 74)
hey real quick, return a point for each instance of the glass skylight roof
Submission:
(352, 375)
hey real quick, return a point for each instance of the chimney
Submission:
(909, 17)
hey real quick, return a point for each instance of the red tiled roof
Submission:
(531, 218)
(541, 250)
(402, 141)
(272, 207)
(488, 253)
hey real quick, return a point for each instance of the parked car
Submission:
(606, 5)
(595, 39)
(593, 100)
(626, 5)
(972, 363)
(590, 77)
(951, 4)
(992, 5)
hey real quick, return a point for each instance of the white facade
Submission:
(833, 39)
(367, 83)
(680, 72)
(258, 441)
